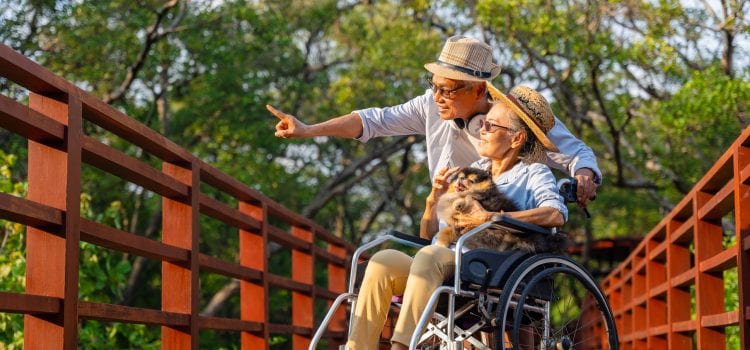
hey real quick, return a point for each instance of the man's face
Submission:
(455, 98)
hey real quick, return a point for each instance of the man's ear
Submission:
(480, 91)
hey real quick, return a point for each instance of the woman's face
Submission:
(500, 136)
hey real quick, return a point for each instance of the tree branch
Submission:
(153, 35)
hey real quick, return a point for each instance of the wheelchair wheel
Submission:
(541, 308)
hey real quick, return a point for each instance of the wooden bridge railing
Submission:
(670, 292)
(57, 148)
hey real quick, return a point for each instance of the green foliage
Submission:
(12, 257)
(643, 83)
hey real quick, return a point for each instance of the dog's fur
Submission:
(471, 187)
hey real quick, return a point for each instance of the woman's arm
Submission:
(545, 216)
(428, 226)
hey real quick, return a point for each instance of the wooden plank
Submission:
(641, 266)
(720, 204)
(659, 291)
(659, 253)
(337, 285)
(30, 124)
(725, 260)
(324, 293)
(683, 234)
(221, 181)
(25, 72)
(324, 255)
(45, 252)
(29, 303)
(685, 326)
(31, 213)
(276, 328)
(72, 221)
(288, 284)
(287, 240)
(216, 265)
(303, 264)
(742, 233)
(227, 214)
(709, 288)
(130, 129)
(179, 292)
(684, 279)
(658, 330)
(229, 324)
(729, 318)
(128, 168)
(112, 238)
(127, 314)
(745, 175)
(254, 304)
(719, 174)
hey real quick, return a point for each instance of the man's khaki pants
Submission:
(389, 273)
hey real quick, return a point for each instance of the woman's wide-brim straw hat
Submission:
(464, 58)
(532, 108)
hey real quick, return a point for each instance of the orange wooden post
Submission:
(179, 288)
(627, 293)
(709, 288)
(742, 222)
(638, 300)
(337, 284)
(656, 307)
(52, 261)
(302, 303)
(254, 297)
(678, 298)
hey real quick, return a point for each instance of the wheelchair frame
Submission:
(523, 276)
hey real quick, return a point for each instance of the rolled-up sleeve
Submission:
(405, 119)
(543, 186)
(574, 154)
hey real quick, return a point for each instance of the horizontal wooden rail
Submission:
(58, 151)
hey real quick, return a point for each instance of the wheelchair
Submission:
(502, 300)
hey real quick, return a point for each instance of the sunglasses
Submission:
(491, 127)
(448, 94)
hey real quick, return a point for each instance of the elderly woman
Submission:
(513, 142)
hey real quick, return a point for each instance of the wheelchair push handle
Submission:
(568, 188)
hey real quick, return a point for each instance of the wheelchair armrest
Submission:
(390, 235)
(411, 238)
(521, 226)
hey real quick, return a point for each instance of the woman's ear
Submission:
(519, 139)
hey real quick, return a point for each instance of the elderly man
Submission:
(449, 116)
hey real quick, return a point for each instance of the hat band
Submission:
(518, 104)
(474, 73)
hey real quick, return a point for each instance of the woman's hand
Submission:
(428, 226)
(440, 185)
(474, 216)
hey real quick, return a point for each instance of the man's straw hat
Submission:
(532, 108)
(464, 58)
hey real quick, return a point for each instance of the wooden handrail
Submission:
(52, 122)
(685, 254)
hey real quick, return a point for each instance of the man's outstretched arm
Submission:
(347, 126)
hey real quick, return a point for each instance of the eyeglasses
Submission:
(490, 127)
(446, 93)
